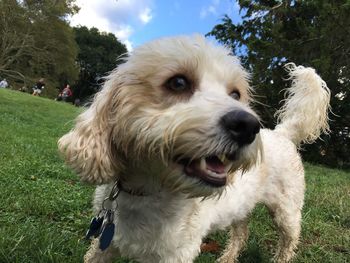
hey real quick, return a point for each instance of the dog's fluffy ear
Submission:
(89, 148)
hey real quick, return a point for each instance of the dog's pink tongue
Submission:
(215, 165)
(216, 177)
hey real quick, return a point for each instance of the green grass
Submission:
(45, 210)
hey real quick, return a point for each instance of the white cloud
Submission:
(129, 45)
(145, 16)
(87, 16)
(207, 11)
(123, 32)
(210, 9)
(115, 16)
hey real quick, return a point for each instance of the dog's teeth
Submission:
(203, 164)
(216, 174)
(228, 167)
(222, 158)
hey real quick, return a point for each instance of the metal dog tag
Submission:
(95, 226)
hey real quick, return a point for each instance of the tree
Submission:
(16, 40)
(98, 55)
(313, 33)
(38, 42)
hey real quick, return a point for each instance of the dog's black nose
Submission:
(241, 125)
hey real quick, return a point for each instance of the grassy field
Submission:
(45, 210)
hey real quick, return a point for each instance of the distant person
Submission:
(38, 87)
(4, 84)
(66, 94)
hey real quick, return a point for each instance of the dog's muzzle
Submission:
(241, 129)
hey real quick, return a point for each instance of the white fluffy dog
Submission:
(174, 127)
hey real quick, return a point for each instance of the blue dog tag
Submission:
(107, 236)
(95, 227)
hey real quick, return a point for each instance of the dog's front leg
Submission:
(238, 238)
(96, 255)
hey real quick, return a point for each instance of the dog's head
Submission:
(177, 111)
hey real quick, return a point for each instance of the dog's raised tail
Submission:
(304, 115)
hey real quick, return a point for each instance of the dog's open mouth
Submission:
(211, 169)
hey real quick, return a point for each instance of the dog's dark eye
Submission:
(235, 95)
(178, 83)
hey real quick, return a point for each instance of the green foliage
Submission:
(16, 40)
(36, 42)
(312, 33)
(44, 209)
(98, 55)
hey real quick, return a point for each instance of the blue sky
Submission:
(135, 22)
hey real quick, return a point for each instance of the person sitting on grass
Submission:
(66, 94)
(38, 87)
(4, 84)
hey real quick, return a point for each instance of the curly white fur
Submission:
(304, 115)
(137, 130)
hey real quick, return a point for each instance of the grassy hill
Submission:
(45, 210)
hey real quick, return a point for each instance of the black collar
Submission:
(130, 191)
